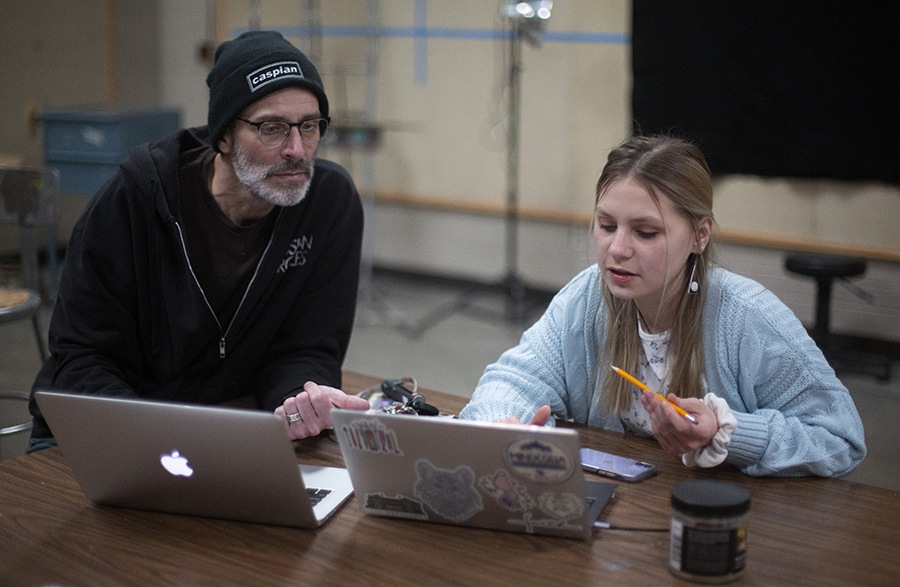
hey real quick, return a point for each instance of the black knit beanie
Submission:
(251, 67)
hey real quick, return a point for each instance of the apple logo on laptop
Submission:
(176, 464)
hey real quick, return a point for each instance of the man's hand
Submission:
(309, 412)
(540, 418)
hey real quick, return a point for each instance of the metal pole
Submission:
(513, 284)
(367, 191)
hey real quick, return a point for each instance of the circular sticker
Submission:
(539, 461)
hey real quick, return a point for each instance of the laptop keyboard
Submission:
(316, 495)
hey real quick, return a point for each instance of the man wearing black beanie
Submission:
(220, 261)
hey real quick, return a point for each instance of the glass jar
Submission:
(709, 531)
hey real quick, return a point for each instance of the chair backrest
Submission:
(29, 198)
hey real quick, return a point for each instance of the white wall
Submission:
(184, 28)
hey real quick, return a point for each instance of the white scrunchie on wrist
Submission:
(715, 452)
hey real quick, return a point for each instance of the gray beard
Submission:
(254, 177)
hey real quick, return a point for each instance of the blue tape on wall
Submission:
(421, 32)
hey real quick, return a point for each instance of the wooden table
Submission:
(803, 531)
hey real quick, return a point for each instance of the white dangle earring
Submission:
(693, 286)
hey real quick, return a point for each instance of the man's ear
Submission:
(227, 140)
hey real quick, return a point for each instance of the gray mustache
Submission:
(290, 166)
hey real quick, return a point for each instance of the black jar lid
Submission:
(710, 499)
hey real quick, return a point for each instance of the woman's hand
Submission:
(540, 418)
(675, 434)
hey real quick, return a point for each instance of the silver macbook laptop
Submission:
(205, 461)
(436, 469)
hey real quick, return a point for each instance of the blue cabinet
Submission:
(88, 145)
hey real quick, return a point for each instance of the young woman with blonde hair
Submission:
(718, 345)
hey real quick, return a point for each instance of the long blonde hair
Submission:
(675, 169)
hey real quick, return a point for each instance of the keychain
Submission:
(402, 399)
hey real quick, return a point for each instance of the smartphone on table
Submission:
(615, 466)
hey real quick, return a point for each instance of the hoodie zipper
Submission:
(223, 334)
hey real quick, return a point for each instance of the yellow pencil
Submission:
(687, 416)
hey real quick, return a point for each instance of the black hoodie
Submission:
(131, 319)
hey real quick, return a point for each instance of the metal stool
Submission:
(825, 269)
(14, 428)
(29, 199)
(20, 304)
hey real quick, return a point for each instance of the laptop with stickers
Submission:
(516, 478)
(214, 462)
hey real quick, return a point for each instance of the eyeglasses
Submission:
(274, 132)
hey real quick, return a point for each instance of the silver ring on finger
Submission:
(294, 417)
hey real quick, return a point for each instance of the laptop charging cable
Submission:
(608, 526)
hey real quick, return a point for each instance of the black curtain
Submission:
(793, 88)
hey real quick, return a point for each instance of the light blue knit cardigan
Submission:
(794, 416)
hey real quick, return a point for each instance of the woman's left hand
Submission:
(674, 432)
